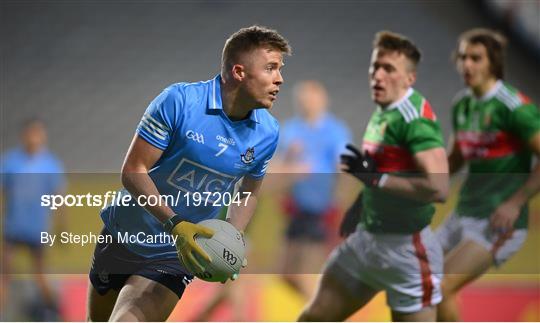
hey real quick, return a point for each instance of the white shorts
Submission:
(408, 267)
(461, 228)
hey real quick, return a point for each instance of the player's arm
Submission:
(152, 138)
(455, 158)
(507, 213)
(58, 184)
(240, 214)
(429, 183)
(432, 186)
(532, 186)
(524, 122)
(59, 218)
(140, 158)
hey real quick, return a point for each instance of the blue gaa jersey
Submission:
(24, 180)
(319, 145)
(203, 152)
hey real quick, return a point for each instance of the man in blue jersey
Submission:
(314, 138)
(28, 172)
(194, 138)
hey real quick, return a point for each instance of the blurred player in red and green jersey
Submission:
(496, 133)
(403, 166)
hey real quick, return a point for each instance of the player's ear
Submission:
(238, 72)
(411, 78)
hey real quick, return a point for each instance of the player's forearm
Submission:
(239, 215)
(455, 163)
(529, 190)
(432, 188)
(139, 183)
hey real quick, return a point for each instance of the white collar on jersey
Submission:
(398, 102)
(491, 93)
(215, 103)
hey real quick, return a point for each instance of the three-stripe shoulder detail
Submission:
(408, 111)
(511, 100)
(461, 95)
(155, 127)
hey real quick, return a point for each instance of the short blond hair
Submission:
(248, 39)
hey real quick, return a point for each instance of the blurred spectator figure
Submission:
(311, 141)
(28, 172)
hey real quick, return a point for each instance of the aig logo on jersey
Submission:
(249, 156)
(190, 177)
(195, 136)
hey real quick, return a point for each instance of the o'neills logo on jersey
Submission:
(195, 136)
(228, 141)
(249, 156)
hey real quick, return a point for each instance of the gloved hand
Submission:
(361, 166)
(186, 246)
(351, 218)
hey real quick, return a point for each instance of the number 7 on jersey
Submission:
(223, 148)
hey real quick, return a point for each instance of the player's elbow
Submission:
(125, 178)
(439, 196)
(438, 188)
(128, 173)
(433, 196)
(125, 174)
(439, 193)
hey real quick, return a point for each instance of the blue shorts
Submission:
(304, 226)
(113, 264)
(34, 245)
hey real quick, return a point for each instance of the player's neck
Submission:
(400, 97)
(481, 90)
(32, 150)
(234, 107)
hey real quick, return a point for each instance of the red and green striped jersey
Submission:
(394, 134)
(492, 134)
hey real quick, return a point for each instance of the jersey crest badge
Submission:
(249, 156)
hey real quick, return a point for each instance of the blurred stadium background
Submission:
(89, 69)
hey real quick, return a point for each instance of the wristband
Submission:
(170, 223)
